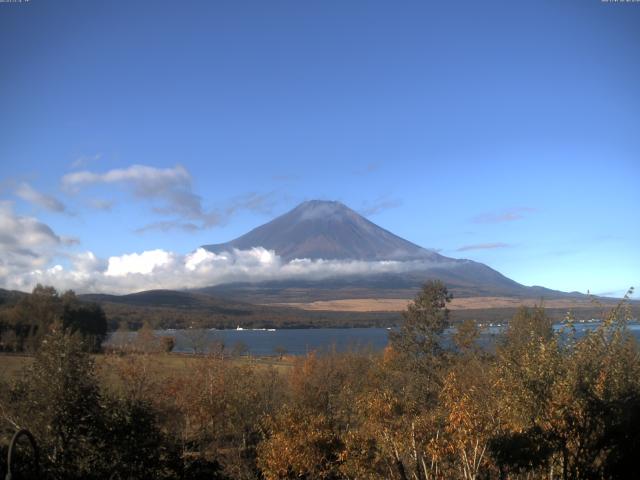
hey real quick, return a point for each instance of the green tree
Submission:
(134, 443)
(33, 315)
(88, 319)
(420, 358)
(425, 319)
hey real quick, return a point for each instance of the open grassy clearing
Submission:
(159, 365)
(400, 304)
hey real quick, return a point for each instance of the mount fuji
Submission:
(330, 230)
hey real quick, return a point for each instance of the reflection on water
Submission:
(301, 341)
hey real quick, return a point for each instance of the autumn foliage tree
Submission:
(567, 402)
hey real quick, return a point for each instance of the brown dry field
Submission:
(399, 304)
(160, 365)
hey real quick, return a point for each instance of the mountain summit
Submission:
(328, 230)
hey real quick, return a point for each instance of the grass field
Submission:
(159, 364)
(12, 365)
(399, 304)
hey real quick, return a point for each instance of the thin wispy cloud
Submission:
(509, 215)
(483, 246)
(254, 202)
(170, 189)
(166, 226)
(100, 204)
(171, 194)
(85, 160)
(379, 205)
(367, 169)
(31, 195)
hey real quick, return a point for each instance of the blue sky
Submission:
(504, 132)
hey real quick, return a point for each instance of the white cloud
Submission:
(31, 195)
(86, 263)
(194, 260)
(145, 181)
(144, 263)
(25, 243)
(23, 232)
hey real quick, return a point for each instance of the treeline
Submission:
(24, 323)
(134, 317)
(544, 405)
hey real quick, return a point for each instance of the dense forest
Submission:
(544, 405)
(26, 319)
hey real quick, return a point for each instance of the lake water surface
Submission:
(301, 341)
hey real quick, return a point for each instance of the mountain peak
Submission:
(320, 229)
(315, 209)
(319, 203)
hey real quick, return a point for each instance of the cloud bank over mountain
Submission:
(155, 269)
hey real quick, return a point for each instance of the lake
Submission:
(300, 341)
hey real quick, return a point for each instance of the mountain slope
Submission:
(328, 230)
